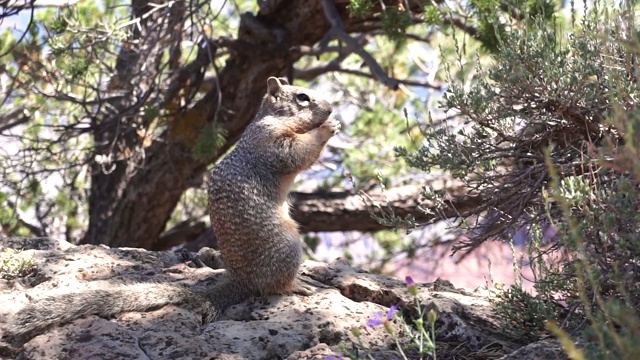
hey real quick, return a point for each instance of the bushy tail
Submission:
(59, 309)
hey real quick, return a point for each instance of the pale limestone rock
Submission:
(276, 327)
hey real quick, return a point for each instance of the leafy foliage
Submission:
(67, 83)
(548, 138)
(16, 263)
(360, 7)
(539, 97)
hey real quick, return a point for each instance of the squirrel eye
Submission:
(303, 97)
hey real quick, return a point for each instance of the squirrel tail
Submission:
(59, 309)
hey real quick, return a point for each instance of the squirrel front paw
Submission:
(333, 125)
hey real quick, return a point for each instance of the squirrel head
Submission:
(284, 101)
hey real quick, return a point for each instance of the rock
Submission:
(275, 327)
(544, 349)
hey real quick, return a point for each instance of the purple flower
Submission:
(379, 319)
(411, 285)
(392, 311)
(330, 357)
(376, 320)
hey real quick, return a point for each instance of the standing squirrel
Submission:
(259, 242)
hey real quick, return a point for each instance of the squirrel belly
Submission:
(247, 194)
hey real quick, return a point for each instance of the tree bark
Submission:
(114, 129)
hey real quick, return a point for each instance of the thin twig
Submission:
(312, 73)
(337, 32)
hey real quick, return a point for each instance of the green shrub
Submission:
(548, 137)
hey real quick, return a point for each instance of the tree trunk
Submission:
(140, 201)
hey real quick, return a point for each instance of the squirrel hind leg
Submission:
(306, 286)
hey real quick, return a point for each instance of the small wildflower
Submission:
(330, 357)
(392, 312)
(432, 316)
(355, 331)
(419, 324)
(385, 320)
(388, 327)
(411, 285)
(376, 320)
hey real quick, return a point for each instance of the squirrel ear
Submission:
(274, 85)
(283, 81)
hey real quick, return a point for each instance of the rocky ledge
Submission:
(318, 326)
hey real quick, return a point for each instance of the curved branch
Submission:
(348, 211)
(338, 211)
(312, 73)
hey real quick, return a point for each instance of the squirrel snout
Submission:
(324, 109)
(324, 105)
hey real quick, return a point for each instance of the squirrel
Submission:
(259, 242)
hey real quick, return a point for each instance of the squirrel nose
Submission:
(325, 106)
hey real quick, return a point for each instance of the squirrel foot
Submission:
(210, 257)
(302, 289)
(306, 286)
(205, 257)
